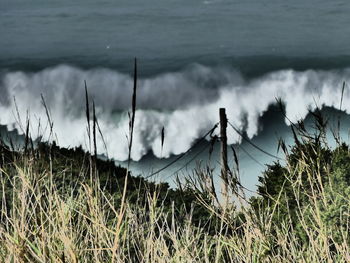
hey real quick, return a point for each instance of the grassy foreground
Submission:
(60, 205)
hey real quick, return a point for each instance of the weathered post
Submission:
(224, 166)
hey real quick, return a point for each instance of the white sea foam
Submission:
(185, 103)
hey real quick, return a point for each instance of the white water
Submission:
(189, 100)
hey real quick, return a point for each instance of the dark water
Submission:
(171, 34)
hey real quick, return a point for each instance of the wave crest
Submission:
(185, 103)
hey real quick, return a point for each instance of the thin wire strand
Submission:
(191, 160)
(251, 157)
(204, 148)
(185, 153)
(251, 143)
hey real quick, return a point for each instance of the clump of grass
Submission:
(43, 224)
(302, 217)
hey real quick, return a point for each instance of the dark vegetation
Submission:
(71, 167)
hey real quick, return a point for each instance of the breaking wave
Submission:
(185, 103)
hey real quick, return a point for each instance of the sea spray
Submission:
(189, 101)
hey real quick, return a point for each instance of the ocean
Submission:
(193, 58)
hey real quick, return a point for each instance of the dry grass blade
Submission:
(26, 142)
(235, 156)
(342, 95)
(103, 139)
(48, 115)
(162, 140)
(87, 110)
(94, 129)
(19, 121)
(131, 126)
(133, 111)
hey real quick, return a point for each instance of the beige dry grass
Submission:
(46, 225)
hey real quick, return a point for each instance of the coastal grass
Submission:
(41, 221)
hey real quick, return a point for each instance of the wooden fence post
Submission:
(224, 165)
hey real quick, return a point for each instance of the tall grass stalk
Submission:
(131, 134)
